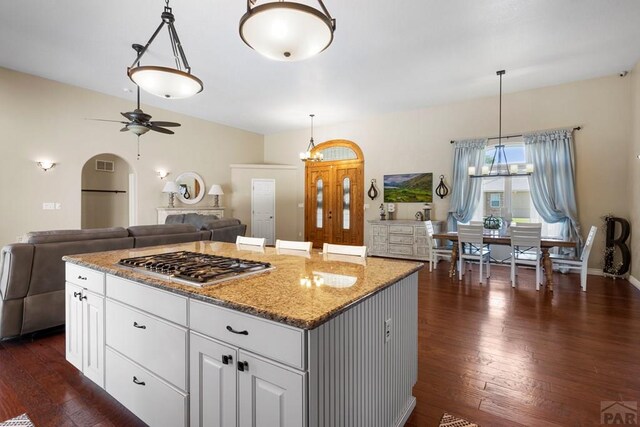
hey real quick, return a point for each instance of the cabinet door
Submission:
(73, 325)
(268, 394)
(93, 337)
(212, 383)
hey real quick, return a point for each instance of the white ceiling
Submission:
(386, 55)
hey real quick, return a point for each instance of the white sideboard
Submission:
(400, 238)
(163, 213)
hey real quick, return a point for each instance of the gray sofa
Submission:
(32, 273)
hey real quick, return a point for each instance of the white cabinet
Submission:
(232, 387)
(84, 312)
(258, 362)
(400, 238)
(163, 213)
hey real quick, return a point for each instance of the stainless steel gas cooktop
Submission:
(195, 269)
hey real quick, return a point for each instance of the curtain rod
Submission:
(515, 136)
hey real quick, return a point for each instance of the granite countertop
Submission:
(281, 294)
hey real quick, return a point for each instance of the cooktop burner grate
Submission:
(195, 268)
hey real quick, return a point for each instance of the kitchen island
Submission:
(319, 340)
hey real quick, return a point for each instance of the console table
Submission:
(164, 212)
(401, 238)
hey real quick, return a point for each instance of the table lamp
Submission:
(170, 187)
(216, 192)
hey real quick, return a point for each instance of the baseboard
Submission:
(407, 412)
(635, 282)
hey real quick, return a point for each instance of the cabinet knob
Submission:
(243, 366)
(139, 326)
(78, 295)
(227, 359)
(230, 329)
(137, 381)
(82, 278)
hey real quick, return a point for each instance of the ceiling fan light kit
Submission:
(287, 31)
(165, 82)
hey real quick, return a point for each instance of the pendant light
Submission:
(307, 156)
(287, 31)
(166, 82)
(501, 168)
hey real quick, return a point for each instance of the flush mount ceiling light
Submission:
(306, 156)
(287, 31)
(502, 166)
(166, 82)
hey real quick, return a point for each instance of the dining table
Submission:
(495, 238)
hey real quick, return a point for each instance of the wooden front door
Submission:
(334, 195)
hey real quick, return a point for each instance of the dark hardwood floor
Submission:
(489, 353)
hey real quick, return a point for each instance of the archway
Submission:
(334, 194)
(106, 187)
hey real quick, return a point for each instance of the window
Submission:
(510, 198)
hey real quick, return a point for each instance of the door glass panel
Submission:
(346, 203)
(319, 197)
(338, 153)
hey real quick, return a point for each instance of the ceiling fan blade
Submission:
(124, 129)
(161, 130)
(127, 115)
(105, 120)
(166, 124)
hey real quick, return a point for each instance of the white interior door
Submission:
(263, 209)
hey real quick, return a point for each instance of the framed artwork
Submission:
(408, 188)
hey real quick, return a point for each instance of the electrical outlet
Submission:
(301, 205)
(366, 206)
(48, 206)
(387, 330)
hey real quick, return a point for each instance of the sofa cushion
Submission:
(174, 219)
(160, 229)
(199, 220)
(170, 239)
(56, 236)
(221, 223)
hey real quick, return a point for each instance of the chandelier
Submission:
(166, 82)
(306, 156)
(500, 166)
(287, 31)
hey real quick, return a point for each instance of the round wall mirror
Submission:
(190, 188)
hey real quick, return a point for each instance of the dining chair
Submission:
(250, 241)
(471, 247)
(577, 263)
(329, 248)
(293, 245)
(435, 251)
(525, 250)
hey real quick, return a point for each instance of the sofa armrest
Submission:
(15, 270)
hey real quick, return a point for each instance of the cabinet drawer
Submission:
(157, 345)
(400, 229)
(401, 249)
(279, 342)
(155, 301)
(401, 239)
(379, 231)
(421, 231)
(85, 277)
(156, 402)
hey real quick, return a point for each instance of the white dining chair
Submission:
(359, 251)
(293, 245)
(471, 247)
(250, 241)
(435, 252)
(525, 250)
(577, 263)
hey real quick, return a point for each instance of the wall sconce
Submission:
(162, 174)
(45, 165)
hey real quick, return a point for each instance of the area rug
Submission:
(19, 421)
(448, 420)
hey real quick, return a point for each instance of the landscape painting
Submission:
(408, 188)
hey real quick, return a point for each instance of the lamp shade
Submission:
(165, 82)
(170, 187)
(286, 31)
(216, 190)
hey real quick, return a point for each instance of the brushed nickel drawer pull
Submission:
(136, 381)
(139, 326)
(230, 329)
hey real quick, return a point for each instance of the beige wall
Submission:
(634, 174)
(286, 203)
(105, 209)
(418, 141)
(42, 119)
